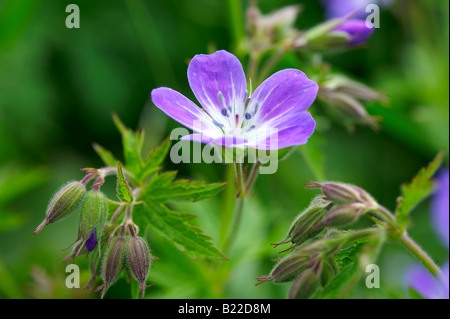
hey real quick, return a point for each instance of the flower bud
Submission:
(329, 271)
(337, 192)
(303, 226)
(287, 269)
(138, 257)
(306, 283)
(65, 201)
(342, 215)
(357, 31)
(92, 219)
(113, 263)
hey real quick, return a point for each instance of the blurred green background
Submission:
(59, 86)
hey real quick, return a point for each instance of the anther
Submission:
(217, 124)
(224, 112)
(221, 98)
(248, 116)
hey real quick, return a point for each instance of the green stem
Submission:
(228, 198)
(236, 20)
(238, 207)
(252, 177)
(237, 216)
(240, 180)
(417, 251)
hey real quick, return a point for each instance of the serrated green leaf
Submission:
(173, 226)
(105, 155)
(132, 146)
(342, 285)
(349, 255)
(162, 190)
(418, 189)
(123, 190)
(154, 160)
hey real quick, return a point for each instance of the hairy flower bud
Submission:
(342, 215)
(92, 219)
(303, 226)
(113, 262)
(287, 269)
(337, 192)
(329, 270)
(65, 201)
(139, 259)
(306, 283)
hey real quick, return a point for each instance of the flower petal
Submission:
(424, 283)
(290, 131)
(183, 110)
(201, 138)
(218, 72)
(440, 207)
(284, 92)
(357, 31)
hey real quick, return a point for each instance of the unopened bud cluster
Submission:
(126, 251)
(345, 97)
(110, 254)
(315, 241)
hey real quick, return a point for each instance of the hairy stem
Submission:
(417, 251)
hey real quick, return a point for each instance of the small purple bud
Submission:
(92, 241)
(92, 218)
(356, 29)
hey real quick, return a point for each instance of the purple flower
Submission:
(91, 242)
(341, 8)
(417, 276)
(275, 111)
(357, 31)
(440, 207)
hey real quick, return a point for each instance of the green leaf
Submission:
(105, 155)
(334, 289)
(132, 146)
(349, 255)
(154, 160)
(173, 226)
(162, 189)
(419, 188)
(123, 190)
(354, 262)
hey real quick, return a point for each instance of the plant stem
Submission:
(238, 207)
(237, 216)
(417, 251)
(252, 177)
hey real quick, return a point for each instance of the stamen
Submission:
(217, 124)
(229, 108)
(237, 119)
(256, 108)
(248, 116)
(251, 128)
(221, 98)
(224, 112)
